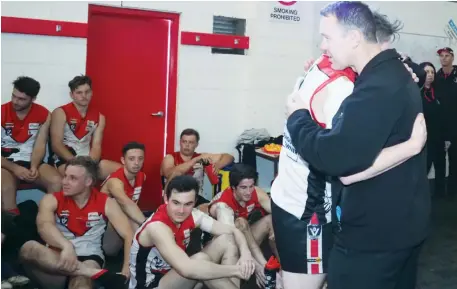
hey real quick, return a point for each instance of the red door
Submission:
(131, 56)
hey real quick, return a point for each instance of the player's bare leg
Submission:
(61, 170)
(108, 167)
(49, 178)
(112, 242)
(303, 281)
(42, 262)
(263, 228)
(80, 282)
(219, 250)
(9, 188)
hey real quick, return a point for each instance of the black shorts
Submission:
(58, 161)
(26, 165)
(95, 258)
(302, 248)
(374, 270)
(23, 164)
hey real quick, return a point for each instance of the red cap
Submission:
(272, 264)
(446, 49)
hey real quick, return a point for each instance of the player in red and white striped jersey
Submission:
(125, 185)
(77, 129)
(25, 128)
(158, 258)
(188, 162)
(72, 223)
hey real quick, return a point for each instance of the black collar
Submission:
(453, 71)
(380, 58)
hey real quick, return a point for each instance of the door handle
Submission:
(158, 114)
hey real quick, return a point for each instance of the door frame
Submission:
(172, 77)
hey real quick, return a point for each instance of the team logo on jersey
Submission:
(9, 128)
(136, 194)
(314, 231)
(158, 263)
(64, 217)
(73, 123)
(93, 216)
(64, 220)
(250, 208)
(186, 240)
(93, 219)
(34, 125)
(90, 125)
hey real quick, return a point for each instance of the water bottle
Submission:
(271, 268)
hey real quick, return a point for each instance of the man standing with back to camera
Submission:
(382, 221)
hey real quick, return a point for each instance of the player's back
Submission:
(295, 183)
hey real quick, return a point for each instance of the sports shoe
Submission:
(18, 280)
(6, 285)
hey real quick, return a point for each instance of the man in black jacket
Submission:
(446, 86)
(384, 220)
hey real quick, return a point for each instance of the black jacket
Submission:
(446, 88)
(432, 113)
(420, 73)
(390, 211)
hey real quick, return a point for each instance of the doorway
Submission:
(132, 60)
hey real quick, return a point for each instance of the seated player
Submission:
(236, 205)
(77, 129)
(187, 162)
(72, 223)
(124, 185)
(25, 128)
(158, 258)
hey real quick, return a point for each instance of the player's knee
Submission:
(204, 208)
(55, 183)
(8, 187)
(80, 283)
(201, 256)
(268, 221)
(225, 239)
(27, 251)
(242, 224)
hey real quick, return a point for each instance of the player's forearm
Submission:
(127, 246)
(183, 168)
(225, 160)
(52, 236)
(133, 212)
(6, 164)
(252, 244)
(37, 156)
(95, 153)
(205, 270)
(61, 150)
(388, 158)
(241, 242)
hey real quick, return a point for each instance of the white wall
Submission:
(423, 26)
(238, 92)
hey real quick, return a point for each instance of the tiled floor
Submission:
(438, 263)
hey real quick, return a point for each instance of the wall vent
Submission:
(229, 26)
